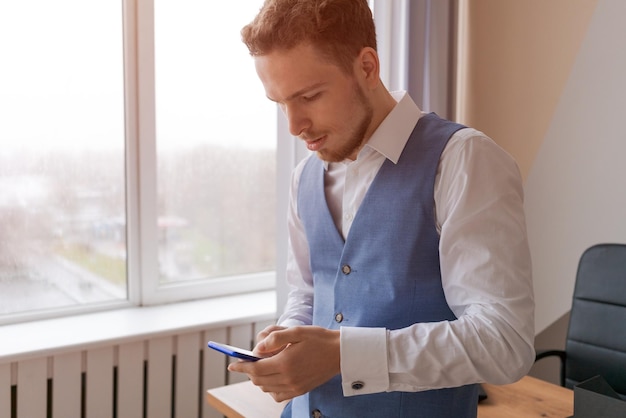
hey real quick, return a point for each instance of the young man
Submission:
(409, 266)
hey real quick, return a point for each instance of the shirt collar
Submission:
(393, 133)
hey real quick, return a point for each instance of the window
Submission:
(137, 155)
(61, 155)
(216, 144)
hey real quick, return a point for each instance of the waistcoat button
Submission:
(346, 269)
(316, 413)
(339, 317)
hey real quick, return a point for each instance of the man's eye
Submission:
(311, 98)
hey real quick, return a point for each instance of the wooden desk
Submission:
(530, 397)
(244, 400)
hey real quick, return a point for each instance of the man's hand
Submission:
(260, 350)
(308, 356)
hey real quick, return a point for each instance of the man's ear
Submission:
(369, 66)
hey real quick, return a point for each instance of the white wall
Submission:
(547, 81)
(576, 188)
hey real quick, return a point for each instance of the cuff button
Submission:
(357, 385)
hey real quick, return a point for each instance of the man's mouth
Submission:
(315, 145)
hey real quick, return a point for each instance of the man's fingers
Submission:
(273, 344)
(279, 392)
(279, 340)
(261, 349)
(254, 368)
(267, 331)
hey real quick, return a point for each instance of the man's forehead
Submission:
(286, 75)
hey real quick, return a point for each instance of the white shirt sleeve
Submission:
(486, 276)
(299, 307)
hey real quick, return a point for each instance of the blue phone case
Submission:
(236, 352)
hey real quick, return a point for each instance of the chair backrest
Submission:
(596, 338)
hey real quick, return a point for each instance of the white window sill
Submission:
(53, 336)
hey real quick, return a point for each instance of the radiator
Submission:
(163, 376)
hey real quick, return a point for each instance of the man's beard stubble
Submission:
(358, 136)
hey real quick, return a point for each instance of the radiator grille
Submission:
(164, 376)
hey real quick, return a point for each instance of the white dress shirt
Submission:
(485, 267)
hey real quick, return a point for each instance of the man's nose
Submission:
(298, 120)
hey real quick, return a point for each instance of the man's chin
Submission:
(329, 157)
(337, 156)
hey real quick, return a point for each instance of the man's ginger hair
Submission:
(338, 29)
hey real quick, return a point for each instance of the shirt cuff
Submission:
(364, 367)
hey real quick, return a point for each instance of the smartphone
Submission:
(236, 352)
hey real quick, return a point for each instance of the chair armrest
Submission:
(541, 354)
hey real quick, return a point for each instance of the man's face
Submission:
(325, 107)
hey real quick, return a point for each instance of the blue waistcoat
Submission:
(385, 274)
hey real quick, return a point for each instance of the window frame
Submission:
(144, 286)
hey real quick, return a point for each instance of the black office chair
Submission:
(596, 336)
